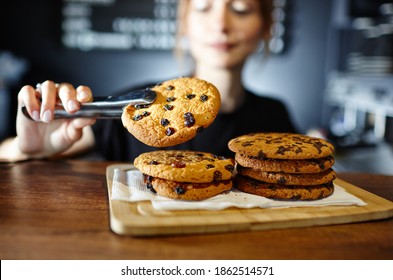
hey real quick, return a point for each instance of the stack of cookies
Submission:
(284, 165)
(186, 175)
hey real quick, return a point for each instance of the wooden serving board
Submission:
(141, 219)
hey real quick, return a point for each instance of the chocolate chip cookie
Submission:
(287, 166)
(187, 190)
(188, 175)
(301, 179)
(182, 109)
(284, 165)
(281, 146)
(283, 192)
(185, 166)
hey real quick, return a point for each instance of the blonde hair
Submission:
(266, 8)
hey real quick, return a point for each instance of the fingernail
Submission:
(82, 95)
(35, 116)
(72, 105)
(47, 116)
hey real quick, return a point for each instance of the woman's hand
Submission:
(43, 136)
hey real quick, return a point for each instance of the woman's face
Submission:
(223, 33)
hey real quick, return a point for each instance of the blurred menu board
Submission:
(118, 24)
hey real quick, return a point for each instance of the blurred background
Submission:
(331, 62)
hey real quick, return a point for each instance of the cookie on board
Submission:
(187, 175)
(187, 190)
(283, 192)
(284, 165)
(288, 166)
(302, 179)
(185, 166)
(281, 146)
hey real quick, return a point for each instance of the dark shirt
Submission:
(257, 114)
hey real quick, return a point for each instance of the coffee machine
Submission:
(359, 87)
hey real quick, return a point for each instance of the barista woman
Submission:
(221, 34)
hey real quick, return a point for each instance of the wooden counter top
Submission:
(59, 210)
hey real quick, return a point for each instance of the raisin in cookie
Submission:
(187, 190)
(183, 107)
(281, 146)
(287, 166)
(185, 166)
(283, 192)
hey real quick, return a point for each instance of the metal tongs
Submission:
(105, 107)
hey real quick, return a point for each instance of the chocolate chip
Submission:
(170, 99)
(153, 162)
(204, 98)
(209, 166)
(218, 157)
(178, 164)
(180, 190)
(190, 96)
(141, 106)
(318, 146)
(170, 87)
(145, 114)
(281, 180)
(282, 150)
(298, 150)
(168, 107)
(189, 119)
(137, 117)
(149, 186)
(217, 176)
(169, 131)
(164, 122)
(247, 143)
(261, 155)
(148, 178)
(230, 167)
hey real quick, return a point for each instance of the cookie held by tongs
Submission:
(182, 109)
